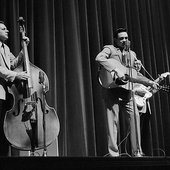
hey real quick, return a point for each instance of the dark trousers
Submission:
(4, 144)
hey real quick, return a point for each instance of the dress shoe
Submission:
(139, 154)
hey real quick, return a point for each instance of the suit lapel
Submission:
(5, 57)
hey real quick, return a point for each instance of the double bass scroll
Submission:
(24, 122)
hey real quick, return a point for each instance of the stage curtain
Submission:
(65, 37)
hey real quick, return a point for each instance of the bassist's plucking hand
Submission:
(22, 76)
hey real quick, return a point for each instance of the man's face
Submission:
(3, 32)
(122, 37)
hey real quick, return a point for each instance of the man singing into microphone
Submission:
(121, 98)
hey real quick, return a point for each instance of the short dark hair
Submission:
(118, 31)
(1, 22)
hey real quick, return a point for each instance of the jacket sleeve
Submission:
(104, 59)
(7, 74)
(16, 61)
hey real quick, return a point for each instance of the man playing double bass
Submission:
(8, 62)
(120, 96)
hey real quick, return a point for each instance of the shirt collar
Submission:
(2, 44)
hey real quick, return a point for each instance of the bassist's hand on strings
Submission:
(22, 76)
(26, 40)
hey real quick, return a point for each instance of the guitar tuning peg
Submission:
(165, 88)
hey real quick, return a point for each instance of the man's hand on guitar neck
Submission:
(153, 84)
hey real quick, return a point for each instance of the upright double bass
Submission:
(30, 124)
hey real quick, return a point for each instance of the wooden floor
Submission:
(84, 163)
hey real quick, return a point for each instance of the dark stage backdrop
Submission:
(66, 36)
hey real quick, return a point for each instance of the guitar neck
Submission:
(152, 90)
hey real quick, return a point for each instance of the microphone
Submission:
(127, 45)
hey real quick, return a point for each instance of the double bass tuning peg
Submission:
(21, 21)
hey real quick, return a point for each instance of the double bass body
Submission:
(30, 124)
(19, 131)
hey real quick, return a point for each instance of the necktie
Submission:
(124, 60)
(3, 54)
(3, 50)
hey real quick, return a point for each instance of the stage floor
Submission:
(84, 163)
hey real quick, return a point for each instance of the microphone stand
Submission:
(137, 152)
(41, 78)
(147, 72)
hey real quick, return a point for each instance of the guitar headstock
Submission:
(164, 75)
(164, 88)
(21, 22)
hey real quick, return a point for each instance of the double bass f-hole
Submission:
(25, 123)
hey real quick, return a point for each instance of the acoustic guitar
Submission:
(142, 93)
(107, 80)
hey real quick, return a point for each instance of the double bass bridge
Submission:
(30, 108)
